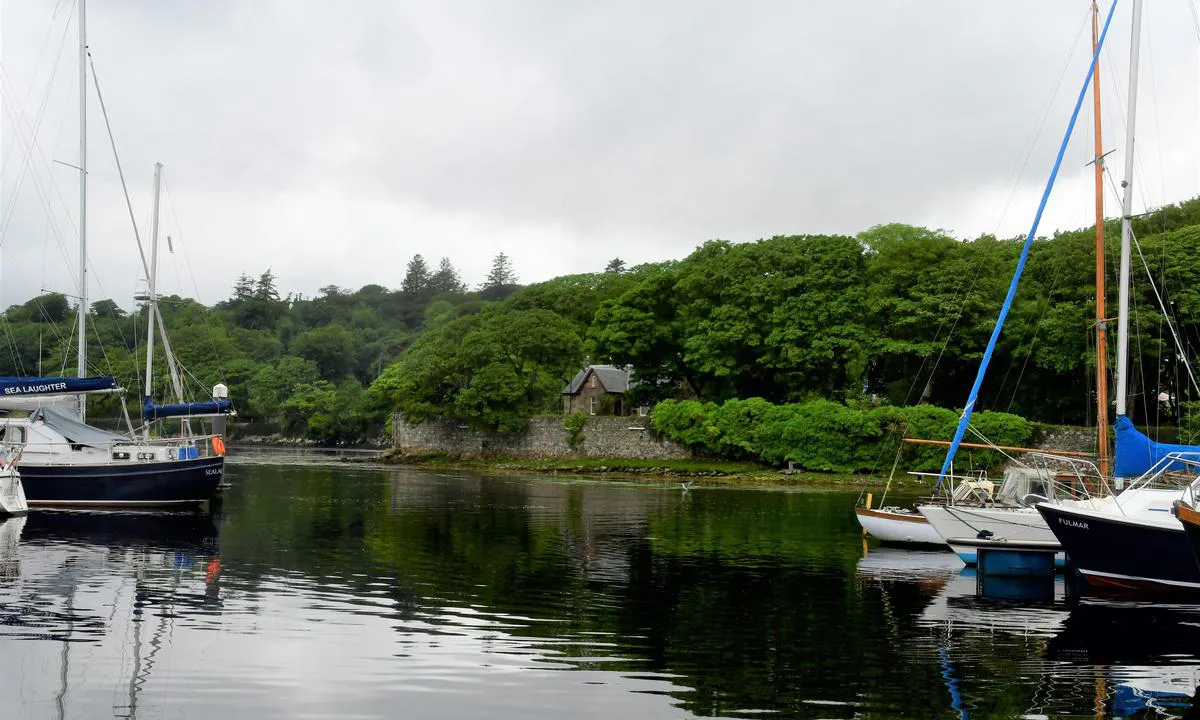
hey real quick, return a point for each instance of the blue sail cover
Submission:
(13, 386)
(1137, 453)
(150, 411)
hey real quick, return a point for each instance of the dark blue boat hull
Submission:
(149, 484)
(1116, 552)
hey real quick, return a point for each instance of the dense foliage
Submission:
(896, 316)
(824, 435)
(301, 364)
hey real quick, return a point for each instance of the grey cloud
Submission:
(566, 133)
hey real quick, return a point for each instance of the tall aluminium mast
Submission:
(1126, 215)
(81, 366)
(152, 297)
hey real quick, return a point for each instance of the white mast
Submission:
(1126, 213)
(152, 300)
(81, 369)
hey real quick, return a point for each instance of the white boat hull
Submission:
(1005, 524)
(12, 494)
(899, 527)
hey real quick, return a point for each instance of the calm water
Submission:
(356, 593)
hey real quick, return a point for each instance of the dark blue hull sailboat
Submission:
(1132, 553)
(157, 484)
(64, 460)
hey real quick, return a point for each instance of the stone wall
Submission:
(1069, 438)
(603, 437)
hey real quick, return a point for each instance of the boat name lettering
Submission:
(1074, 523)
(213, 471)
(47, 387)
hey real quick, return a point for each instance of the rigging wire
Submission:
(1037, 329)
(21, 121)
(120, 170)
(1019, 167)
(1170, 325)
(208, 320)
(1179, 346)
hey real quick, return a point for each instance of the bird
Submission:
(686, 485)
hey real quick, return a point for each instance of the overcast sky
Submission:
(332, 141)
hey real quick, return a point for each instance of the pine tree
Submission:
(265, 289)
(446, 279)
(243, 289)
(501, 273)
(416, 279)
(616, 265)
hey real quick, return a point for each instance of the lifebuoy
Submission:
(218, 445)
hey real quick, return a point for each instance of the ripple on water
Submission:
(342, 592)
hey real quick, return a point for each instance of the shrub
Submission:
(827, 436)
(574, 425)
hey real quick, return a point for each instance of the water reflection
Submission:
(351, 592)
(100, 592)
(1075, 655)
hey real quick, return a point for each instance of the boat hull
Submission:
(147, 484)
(1118, 551)
(895, 527)
(1015, 525)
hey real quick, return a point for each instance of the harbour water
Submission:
(347, 591)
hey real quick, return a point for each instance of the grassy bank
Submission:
(701, 471)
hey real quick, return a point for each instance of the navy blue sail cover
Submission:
(1137, 453)
(14, 386)
(150, 411)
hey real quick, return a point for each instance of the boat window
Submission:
(1020, 482)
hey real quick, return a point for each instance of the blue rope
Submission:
(1012, 288)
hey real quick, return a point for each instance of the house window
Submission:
(592, 405)
(593, 381)
(643, 410)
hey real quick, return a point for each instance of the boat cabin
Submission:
(1022, 482)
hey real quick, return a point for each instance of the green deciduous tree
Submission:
(491, 370)
(330, 348)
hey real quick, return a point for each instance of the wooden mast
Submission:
(1101, 334)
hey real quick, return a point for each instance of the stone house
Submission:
(599, 390)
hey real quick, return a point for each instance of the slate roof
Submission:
(614, 379)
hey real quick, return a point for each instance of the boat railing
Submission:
(1177, 469)
(185, 448)
(1072, 478)
(1084, 481)
(977, 487)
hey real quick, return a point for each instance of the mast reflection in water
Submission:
(366, 593)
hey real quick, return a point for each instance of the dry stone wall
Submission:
(1068, 438)
(603, 437)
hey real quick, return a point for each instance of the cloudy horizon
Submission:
(331, 144)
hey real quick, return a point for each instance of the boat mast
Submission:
(81, 369)
(152, 297)
(1126, 214)
(973, 395)
(1101, 330)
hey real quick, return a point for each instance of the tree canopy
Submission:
(896, 315)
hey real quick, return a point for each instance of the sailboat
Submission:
(1133, 541)
(65, 461)
(1010, 517)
